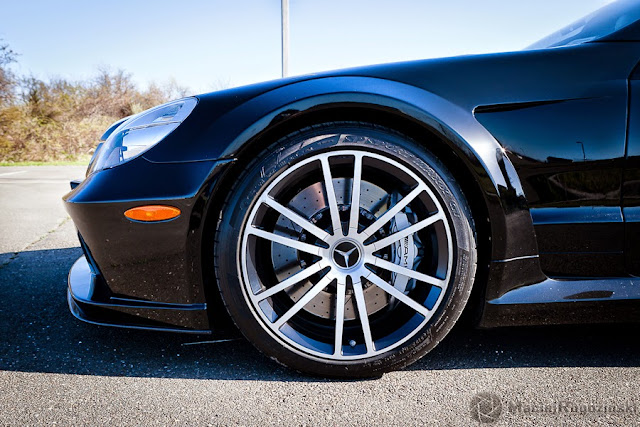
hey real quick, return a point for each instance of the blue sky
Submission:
(210, 44)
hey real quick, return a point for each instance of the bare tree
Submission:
(7, 78)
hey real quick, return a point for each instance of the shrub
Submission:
(62, 120)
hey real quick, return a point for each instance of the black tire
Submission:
(286, 153)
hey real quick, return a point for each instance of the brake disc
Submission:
(310, 203)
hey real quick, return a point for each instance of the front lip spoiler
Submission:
(128, 313)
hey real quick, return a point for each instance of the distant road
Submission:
(55, 369)
(31, 203)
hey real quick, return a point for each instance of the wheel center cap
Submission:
(346, 254)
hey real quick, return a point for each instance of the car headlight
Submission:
(141, 132)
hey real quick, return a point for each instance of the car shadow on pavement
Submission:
(40, 335)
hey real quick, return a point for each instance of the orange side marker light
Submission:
(152, 213)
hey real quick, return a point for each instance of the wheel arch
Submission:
(452, 134)
(442, 127)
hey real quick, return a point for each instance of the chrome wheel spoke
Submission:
(311, 293)
(294, 217)
(383, 243)
(355, 195)
(295, 244)
(296, 278)
(386, 217)
(340, 299)
(403, 271)
(331, 197)
(364, 317)
(382, 284)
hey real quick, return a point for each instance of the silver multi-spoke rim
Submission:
(344, 260)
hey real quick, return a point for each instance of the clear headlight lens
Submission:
(141, 132)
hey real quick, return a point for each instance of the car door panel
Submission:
(569, 155)
(631, 187)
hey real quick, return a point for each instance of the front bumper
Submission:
(87, 304)
(136, 274)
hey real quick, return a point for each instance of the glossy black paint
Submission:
(87, 303)
(540, 138)
(631, 200)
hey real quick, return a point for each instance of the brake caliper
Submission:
(406, 251)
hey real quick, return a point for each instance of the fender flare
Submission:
(512, 234)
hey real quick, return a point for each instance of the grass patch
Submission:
(52, 163)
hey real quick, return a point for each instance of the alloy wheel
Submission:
(346, 255)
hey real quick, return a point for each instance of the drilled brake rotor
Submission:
(311, 204)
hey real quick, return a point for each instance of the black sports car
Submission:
(346, 219)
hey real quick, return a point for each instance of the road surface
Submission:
(55, 369)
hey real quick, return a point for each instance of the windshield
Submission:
(598, 24)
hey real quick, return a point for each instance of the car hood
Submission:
(469, 82)
(486, 79)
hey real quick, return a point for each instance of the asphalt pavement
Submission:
(56, 369)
